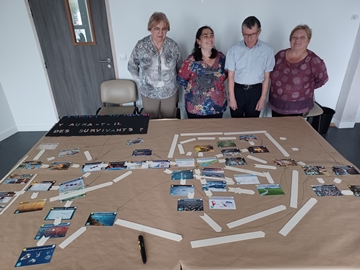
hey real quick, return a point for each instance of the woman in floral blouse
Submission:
(154, 63)
(202, 75)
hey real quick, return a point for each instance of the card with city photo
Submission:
(190, 205)
(181, 190)
(285, 162)
(222, 144)
(213, 172)
(223, 203)
(15, 178)
(59, 166)
(142, 152)
(69, 152)
(52, 230)
(41, 186)
(315, 170)
(258, 149)
(231, 152)
(204, 148)
(344, 170)
(235, 161)
(326, 190)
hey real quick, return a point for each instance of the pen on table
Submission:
(142, 248)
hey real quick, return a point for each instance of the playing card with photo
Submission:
(235, 161)
(223, 203)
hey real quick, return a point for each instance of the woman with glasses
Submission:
(154, 63)
(297, 73)
(202, 75)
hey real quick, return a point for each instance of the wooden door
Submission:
(74, 71)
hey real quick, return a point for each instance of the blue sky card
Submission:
(181, 190)
(182, 175)
(101, 219)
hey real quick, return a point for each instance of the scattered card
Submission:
(315, 170)
(185, 162)
(257, 149)
(142, 152)
(134, 141)
(30, 165)
(204, 148)
(190, 205)
(35, 255)
(247, 138)
(214, 186)
(159, 164)
(6, 196)
(213, 172)
(182, 175)
(41, 186)
(231, 152)
(132, 165)
(92, 167)
(222, 144)
(71, 185)
(355, 190)
(116, 166)
(344, 170)
(181, 190)
(285, 162)
(18, 178)
(326, 190)
(227, 203)
(246, 179)
(24, 207)
(59, 166)
(52, 230)
(269, 189)
(69, 152)
(101, 219)
(65, 213)
(235, 161)
(206, 161)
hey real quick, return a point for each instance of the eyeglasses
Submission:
(300, 37)
(250, 35)
(157, 29)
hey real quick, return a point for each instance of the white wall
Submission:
(334, 30)
(7, 122)
(21, 71)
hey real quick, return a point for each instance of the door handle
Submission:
(108, 60)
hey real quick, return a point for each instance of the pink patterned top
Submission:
(293, 84)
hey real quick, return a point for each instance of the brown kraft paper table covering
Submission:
(328, 235)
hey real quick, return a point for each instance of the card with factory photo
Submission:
(190, 205)
(213, 172)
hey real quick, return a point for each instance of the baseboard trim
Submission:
(34, 127)
(7, 133)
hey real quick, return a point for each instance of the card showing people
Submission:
(52, 230)
(222, 144)
(35, 255)
(204, 148)
(24, 207)
(18, 178)
(223, 203)
(41, 186)
(326, 190)
(69, 152)
(344, 170)
(190, 205)
(315, 170)
(235, 161)
(181, 190)
(65, 213)
(257, 149)
(101, 219)
(269, 189)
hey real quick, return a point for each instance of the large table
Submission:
(327, 236)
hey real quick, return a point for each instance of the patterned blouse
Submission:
(293, 84)
(156, 72)
(205, 92)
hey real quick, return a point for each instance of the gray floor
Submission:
(12, 149)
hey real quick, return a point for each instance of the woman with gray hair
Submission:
(154, 63)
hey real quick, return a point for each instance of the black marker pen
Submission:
(142, 248)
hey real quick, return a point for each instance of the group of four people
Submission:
(249, 66)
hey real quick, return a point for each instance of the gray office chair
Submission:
(118, 92)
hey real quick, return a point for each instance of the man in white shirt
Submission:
(249, 63)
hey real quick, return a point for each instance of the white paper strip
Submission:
(72, 237)
(202, 134)
(86, 174)
(117, 179)
(34, 195)
(257, 216)
(211, 223)
(150, 230)
(226, 239)
(189, 140)
(54, 188)
(68, 203)
(269, 178)
(270, 167)
(57, 220)
(203, 181)
(28, 183)
(347, 192)
(212, 177)
(21, 192)
(44, 166)
(294, 189)
(39, 154)
(245, 132)
(197, 171)
(191, 195)
(244, 171)
(79, 192)
(282, 139)
(42, 241)
(182, 181)
(229, 181)
(13, 168)
(226, 138)
(297, 217)
(282, 150)
(206, 138)
(251, 143)
(173, 145)
(181, 149)
(244, 191)
(189, 154)
(222, 160)
(244, 150)
(173, 163)
(219, 155)
(168, 171)
(75, 166)
(295, 149)
(87, 155)
(208, 193)
(301, 163)
(200, 154)
(257, 159)
(50, 158)
(337, 180)
(321, 181)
